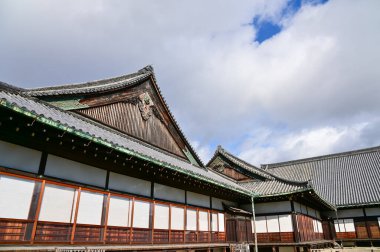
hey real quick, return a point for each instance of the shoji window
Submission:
(319, 223)
(272, 224)
(161, 216)
(286, 224)
(58, 204)
(90, 208)
(119, 213)
(315, 226)
(15, 197)
(191, 220)
(203, 221)
(141, 214)
(221, 222)
(177, 218)
(349, 225)
(214, 222)
(346, 225)
(261, 225)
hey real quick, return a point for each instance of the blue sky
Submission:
(311, 89)
(267, 27)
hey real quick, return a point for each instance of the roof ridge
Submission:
(322, 157)
(140, 74)
(284, 180)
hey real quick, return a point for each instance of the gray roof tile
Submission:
(344, 179)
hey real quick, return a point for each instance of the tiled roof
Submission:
(273, 187)
(84, 127)
(93, 86)
(344, 179)
(107, 85)
(239, 162)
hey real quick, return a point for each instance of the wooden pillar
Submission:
(294, 222)
(105, 217)
(39, 202)
(131, 228)
(75, 216)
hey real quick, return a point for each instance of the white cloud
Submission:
(306, 143)
(318, 77)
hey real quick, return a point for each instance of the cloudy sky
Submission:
(268, 80)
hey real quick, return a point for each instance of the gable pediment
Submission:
(131, 104)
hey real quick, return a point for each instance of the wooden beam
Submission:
(75, 216)
(37, 211)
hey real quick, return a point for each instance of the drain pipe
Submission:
(254, 223)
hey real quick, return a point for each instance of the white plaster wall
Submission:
(19, 157)
(128, 184)
(197, 199)
(70, 170)
(169, 193)
(273, 207)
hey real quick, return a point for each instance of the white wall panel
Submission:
(218, 204)
(375, 211)
(161, 216)
(221, 222)
(336, 226)
(177, 218)
(169, 193)
(124, 183)
(349, 225)
(197, 199)
(90, 208)
(67, 169)
(203, 221)
(273, 207)
(141, 214)
(286, 224)
(19, 157)
(191, 220)
(57, 204)
(261, 225)
(350, 213)
(320, 228)
(214, 222)
(15, 197)
(272, 223)
(378, 219)
(119, 213)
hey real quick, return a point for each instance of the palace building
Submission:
(104, 166)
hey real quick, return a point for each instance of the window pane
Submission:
(203, 221)
(191, 220)
(272, 222)
(336, 226)
(177, 218)
(90, 208)
(261, 225)
(57, 204)
(214, 222)
(15, 197)
(320, 230)
(341, 226)
(349, 225)
(161, 216)
(141, 214)
(221, 222)
(285, 223)
(119, 213)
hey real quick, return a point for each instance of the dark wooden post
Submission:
(294, 221)
(41, 193)
(75, 216)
